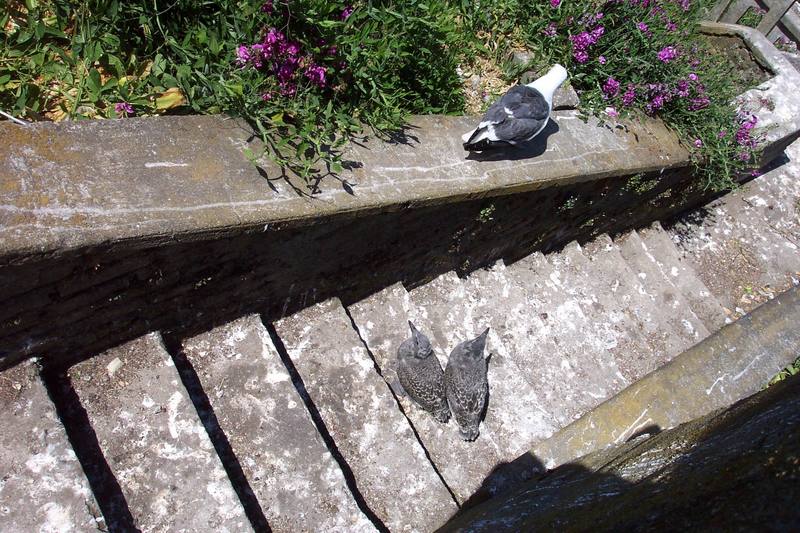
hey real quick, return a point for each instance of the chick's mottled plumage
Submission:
(467, 385)
(421, 375)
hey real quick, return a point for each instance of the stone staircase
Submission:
(298, 425)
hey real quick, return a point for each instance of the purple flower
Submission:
(285, 71)
(288, 88)
(684, 4)
(332, 50)
(698, 103)
(667, 54)
(347, 12)
(266, 96)
(611, 87)
(694, 63)
(671, 26)
(267, 7)
(693, 76)
(744, 156)
(555, 3)
(698, 143)
(550, 30)
(656, 103)
(682, 88)
(243, 54)
(601, 60)
(722, 133)
(642, 27)
(124, 108)
(612, 112)
(273, 36)
(629, 96)
(316, 74)
(597, 33)
(755, 173)
(581, 56)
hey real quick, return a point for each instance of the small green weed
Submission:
(791, 370)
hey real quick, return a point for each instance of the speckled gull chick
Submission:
(421, 375)
(467, 385)
(519, 116)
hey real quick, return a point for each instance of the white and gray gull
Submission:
(519, 116)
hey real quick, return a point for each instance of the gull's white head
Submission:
(551, 81)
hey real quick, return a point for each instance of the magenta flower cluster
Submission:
(123, 108)
(284, 59)
(667, 54)
(610, 88)
(582, 42)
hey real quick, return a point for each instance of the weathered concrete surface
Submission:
(676, 314)
(732, 248)
(296, 480)
(610, 296)
(42, 485)
(466, 467)
(733, 470)
(587, 371)
(702, 302)
(154, 442)
(165, 179)
(774, 101)
(567, 381)
(391, 470)
(731, 364)
(515, 418)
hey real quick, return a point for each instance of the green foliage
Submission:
(369, 64)
(791, 370)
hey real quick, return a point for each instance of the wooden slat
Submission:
(774, 15)
(718, 10)
(737, 9)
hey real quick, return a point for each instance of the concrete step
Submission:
(775, 196)
(675, 312)
(734, 249)
(298, 484)
(155, 444)
(42, 486)
(682, 275)
(514, 419)
(382, 322)
(729, 365)
(572, 362)
(613, 300)
(391, 470)
(566, 381)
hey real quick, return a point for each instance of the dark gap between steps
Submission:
(219, 440)
(400, 407)
(322, 429)
(105, 487)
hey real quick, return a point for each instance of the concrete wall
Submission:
(111, 229)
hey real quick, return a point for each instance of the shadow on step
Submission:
(323, 431)
(83, 439)
(219, 440)
(735, 469)
(79, 303)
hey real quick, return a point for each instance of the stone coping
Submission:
(137, 182)
(775, 101)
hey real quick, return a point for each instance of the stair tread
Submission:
(296, 480)
(41, 476)
(153, 440)
(732, 247)
(676, 313)
(567, 378)
(444, 309)
(612, 298)
(382, 321)
(683, 276)
(369, 430)
(586, 364)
